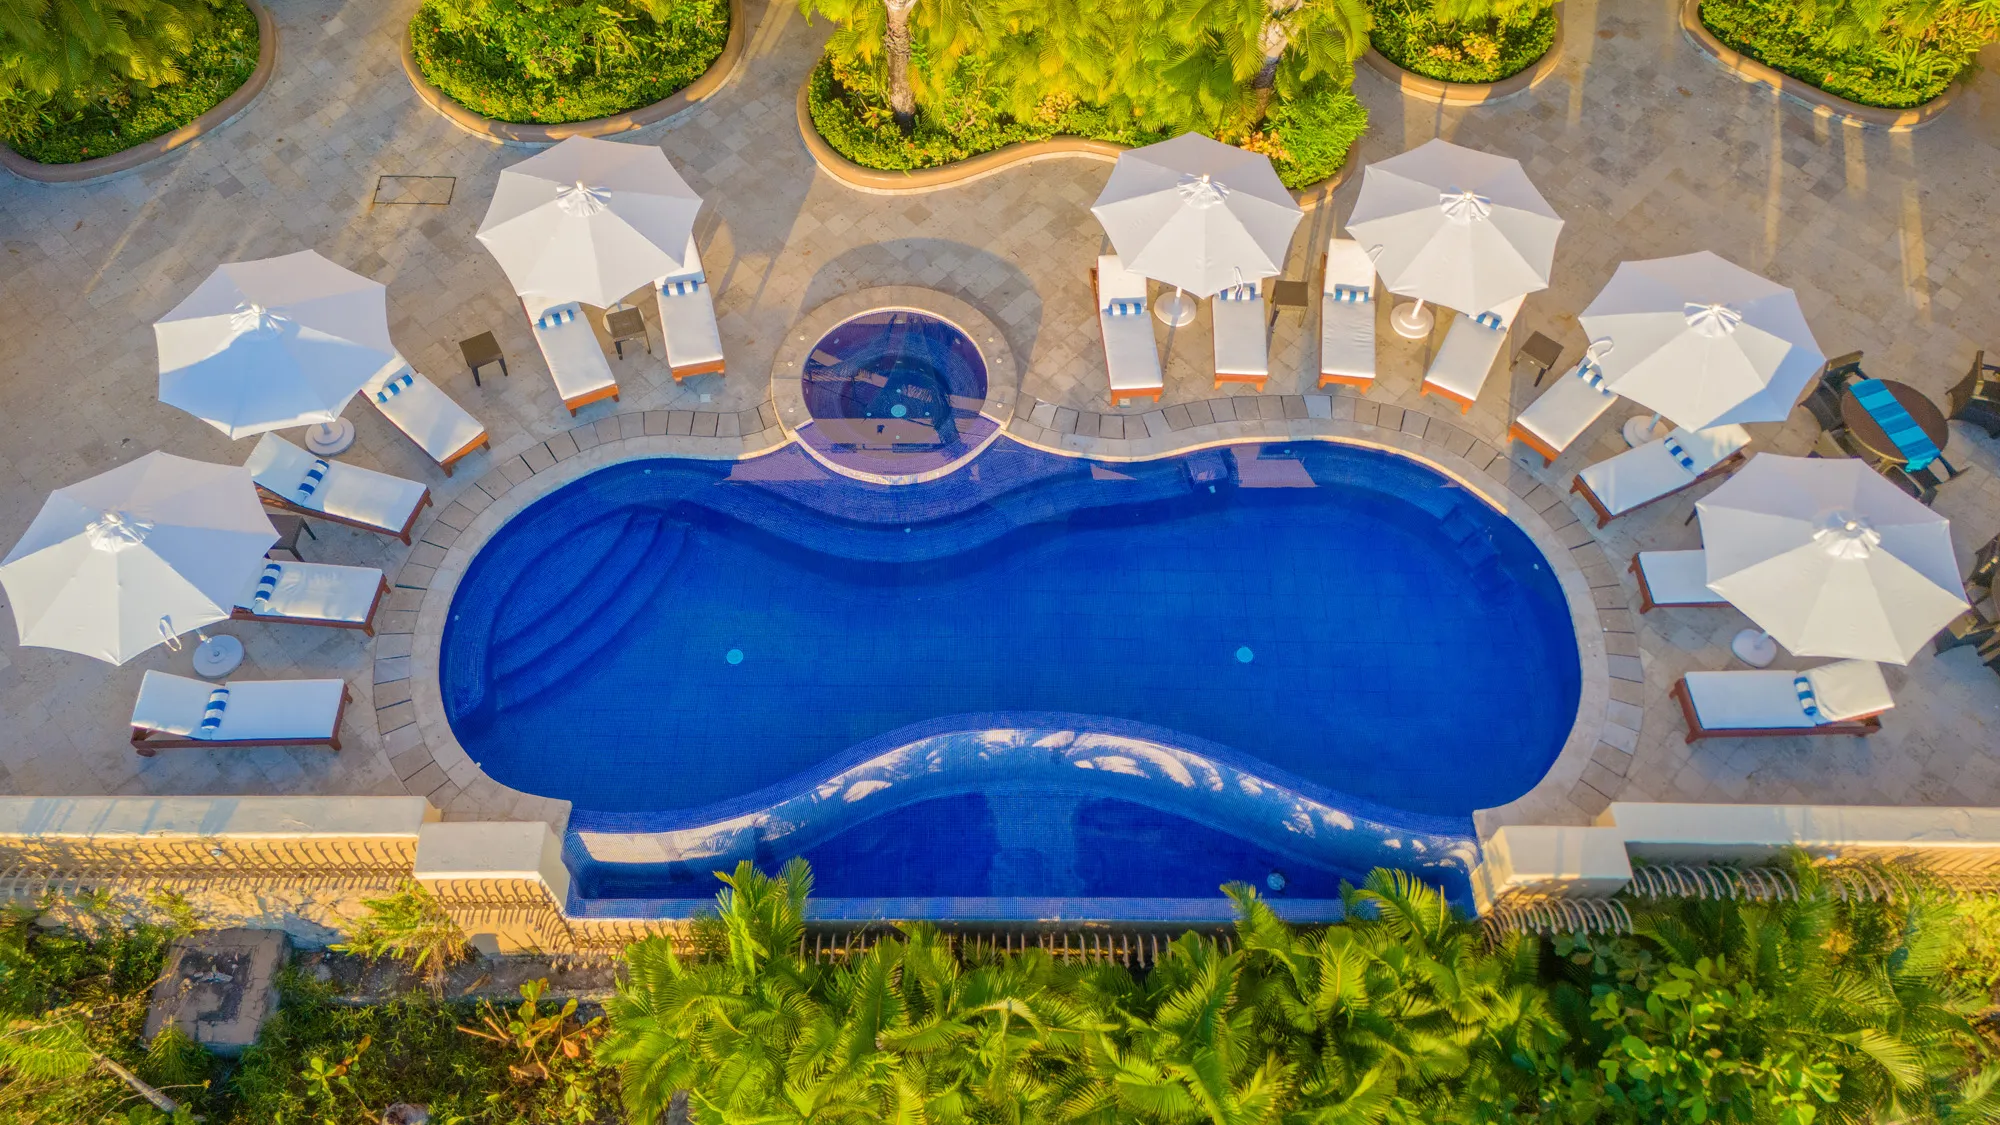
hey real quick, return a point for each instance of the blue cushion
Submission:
(1351, 294)
(1591, 372)
(1126, 308)
(1489, 320)
(554, 317)
(395, 387)
(1674, 449)
(681, 286)
(1808, 702)
(314, 475)
(211, 715)
(1238, 293)
(267, 585)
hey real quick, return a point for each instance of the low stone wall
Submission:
(1417, 86)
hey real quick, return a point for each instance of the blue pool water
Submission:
(895, 391)
(672, 644)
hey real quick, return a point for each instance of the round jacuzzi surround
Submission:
(895, 394)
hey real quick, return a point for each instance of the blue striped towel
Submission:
(314, 475)
(211, 715)
(395, 386)
(1808, 702)
(1489, 320)
(1880, 402)
(1126, 308)
(1238, 293)
(681, 286)
(554, 317)
(1592, 372)
(267, 585)
(1677, 453)
(1351, 293)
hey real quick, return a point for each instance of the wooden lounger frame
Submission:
(147, 745)
(711, 367)
(1859, 727)
(273, 500)
(484, 440)
(1126, 396)
(1547, 452)
(1604, 515)
(1646, 602)
(1429, 388)
(599, 395)
(1256, 381)
(366, 624)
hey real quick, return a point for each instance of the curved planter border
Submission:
(876, 182)
(1803, 92)
(513, 133)
(145, 152)
(1417, 86)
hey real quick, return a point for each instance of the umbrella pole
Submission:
(1412, 321)
(1754, 647)
(1176, 310)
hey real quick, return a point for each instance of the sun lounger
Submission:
(303, 593)
(1674, 579)
(1564, 411)
(687, 319)
(1466, 358)
(582, 375)
(1131, 355)
(1845, 697)
(425, 414)
(175, 711)
(1658, 469)
(1242, 351)
(1347, 316)
(288, 477)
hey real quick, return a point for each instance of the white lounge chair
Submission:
(1675, 579)
(1553, 421)
(303, 593)
(1347, 316)
(1659, 468)
(426, 415)
(1242, 351)
(1131, 354)
(687, 319)
(290, 478)
(1845, 697)
(1466, 357)
(174, 711)
(582, 375)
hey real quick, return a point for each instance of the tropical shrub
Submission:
(81, 79)
(411, 927)
(1460, 41)
(1890, 53)
(553, 61)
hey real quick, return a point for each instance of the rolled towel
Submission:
(1351, 294)
(1126, 308)
(395, 387)
(314, 476)
(1238, 293)
(1683, 456)
(1808, 700)
(267, 585)
(681, 286)
(1489, 320)
(211, 715)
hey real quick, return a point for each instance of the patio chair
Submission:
(1131, 354)
(687, 319)
(1572, 403)
(426, 415)
(175, 711)
(1466, 357)
(1658, 469)
(1845, 697)
(1347, 316)
(1675, 579)
(582, 375)
(293, 480)
(1242, 351)
(303, 593)
(1969, 629)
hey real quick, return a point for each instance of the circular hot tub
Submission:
(895, 394)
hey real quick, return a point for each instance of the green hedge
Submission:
(1307, 136)
(1409, 34)
(537, 61)
(1895, 67)
(119, 117)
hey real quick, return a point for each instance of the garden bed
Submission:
(1411, 38)
(1772, 36)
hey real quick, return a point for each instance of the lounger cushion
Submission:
(1649, 472)
(256, 709)
(348, 491)
(1131, 355)
(1848, 689)
(1677, 577)
(314, 591)
(1737, 700)
(1466, 357)
(427, 415)
(1564, 411)
(1240, 345)
(575, 360)
(687, 320)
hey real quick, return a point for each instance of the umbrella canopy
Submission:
(273, 343)
(1703, 341)
(1455, 226)
(122, 561)
(1197, 214)
(589, 221)
(1830, 559)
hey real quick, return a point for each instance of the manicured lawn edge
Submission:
(876, 182)
(225, 111)
(512, 133)
(1799, 90)
(1415, 85)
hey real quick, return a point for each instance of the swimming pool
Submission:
(977, 687)
(894, 393)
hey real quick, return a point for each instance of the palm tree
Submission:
(54, 1049)
(889, 31)
(1328, 33)
(75, 50)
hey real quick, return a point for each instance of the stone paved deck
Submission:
(1646, 147)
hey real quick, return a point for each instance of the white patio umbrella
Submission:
(589, 221)
(1829, 559)
(273, 343)
(128, 559)
(1454, 226)
(1702, 341)
(1198, 215)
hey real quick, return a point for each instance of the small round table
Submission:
(1868, 433)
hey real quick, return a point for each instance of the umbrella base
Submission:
(1412, 320)
(329, 438)
(1643, 428)
(1174, 311)
(218, 656)
(1754, 647)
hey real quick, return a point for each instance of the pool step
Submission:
(540, 588)
(1474, 541)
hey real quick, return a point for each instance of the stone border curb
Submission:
(1414, 85)
(145, 152)
(1822, 104)
(876, 182)
(680, 101)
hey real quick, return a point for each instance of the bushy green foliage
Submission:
(552, 61)
(411, 927)
(137, 69)
(1891, 53)
(1453, 41)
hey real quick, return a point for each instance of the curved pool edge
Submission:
(417, 735)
